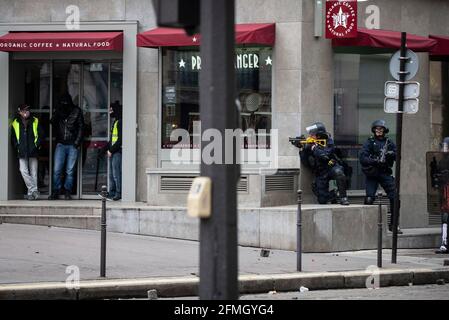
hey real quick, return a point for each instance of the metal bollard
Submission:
(104, 194)
(298, 233)
(379, 231)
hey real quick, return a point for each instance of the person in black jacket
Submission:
(377, 158)
(325, 164)
(68, 126)
(114, 152)
(26, 137)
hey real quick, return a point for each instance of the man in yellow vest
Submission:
(114, 152)
(26, 137)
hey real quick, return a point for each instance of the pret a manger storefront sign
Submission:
(341, 19)
(242, 61)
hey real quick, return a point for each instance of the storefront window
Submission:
(358, 101)
(180, 94)
(439, 99)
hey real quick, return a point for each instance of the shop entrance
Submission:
(93, 86)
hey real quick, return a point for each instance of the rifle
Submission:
(383, 153)
(302, 140)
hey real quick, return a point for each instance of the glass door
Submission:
(95, 106)
(93, 86)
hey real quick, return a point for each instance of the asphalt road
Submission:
(425, 292)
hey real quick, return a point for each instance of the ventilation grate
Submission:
(183, 183)
(279, 183)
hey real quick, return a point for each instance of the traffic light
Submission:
(178, 14)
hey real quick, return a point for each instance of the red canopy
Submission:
(61, 41)
(385, 39)
(254, 33)
(442, 46)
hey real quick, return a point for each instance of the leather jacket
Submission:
(68, 129)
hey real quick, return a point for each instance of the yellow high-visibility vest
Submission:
(115, 132)
(16, 127)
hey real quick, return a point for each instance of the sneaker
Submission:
(117, 198)
(67, 195)
(390, 228)
(344, 201)
(35, 195)
(442, 250)
(29, 197)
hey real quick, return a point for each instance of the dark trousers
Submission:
(386, 181)
(322, 184)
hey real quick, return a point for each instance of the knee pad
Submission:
(445, 218)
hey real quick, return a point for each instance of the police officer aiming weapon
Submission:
(317, 152)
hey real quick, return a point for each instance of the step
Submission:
(89, 222)
(413, 238)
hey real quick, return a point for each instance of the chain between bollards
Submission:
(298, 233)
(379, 231)
(103, 194)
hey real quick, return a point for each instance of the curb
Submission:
(188, 286)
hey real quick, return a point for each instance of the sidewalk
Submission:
(31, 254)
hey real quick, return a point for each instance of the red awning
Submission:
(442, 46)
(385, 39)
(61, 41)
(254, 33)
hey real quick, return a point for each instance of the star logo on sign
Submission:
(182, 63)
(194, 39)
(268, 61)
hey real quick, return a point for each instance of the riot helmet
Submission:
(316, 128)
(379, 123)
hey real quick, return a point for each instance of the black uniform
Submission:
(326, 166)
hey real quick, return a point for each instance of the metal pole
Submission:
(218, 233)
(298, 233)
(397, 201)
(104, 194)
(379, 231)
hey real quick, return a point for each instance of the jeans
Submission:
(28, 169)
(115, 175)
(65, 159)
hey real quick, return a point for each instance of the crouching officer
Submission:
(318, 152)
(377, 158)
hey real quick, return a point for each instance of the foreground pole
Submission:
(397, 199)
(379, 231)
(218, 233)
(104, 194)
(299, 233)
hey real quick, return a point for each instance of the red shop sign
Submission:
(341, 19)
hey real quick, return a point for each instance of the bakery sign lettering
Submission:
(341, 19)
(242, 61)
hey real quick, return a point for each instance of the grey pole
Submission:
(379, 231)
(298, 233)
(104, 194)
(397, 200)
(218, 233)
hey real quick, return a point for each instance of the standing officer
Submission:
(26, 138)
(440, 180)
(320, 156)
(377, 158)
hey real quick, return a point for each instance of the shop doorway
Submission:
(93, 86)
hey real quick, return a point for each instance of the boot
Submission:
(369, 200)
(344, 201)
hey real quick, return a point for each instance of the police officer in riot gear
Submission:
(440, 179)
(377, 158)
(320, 156)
